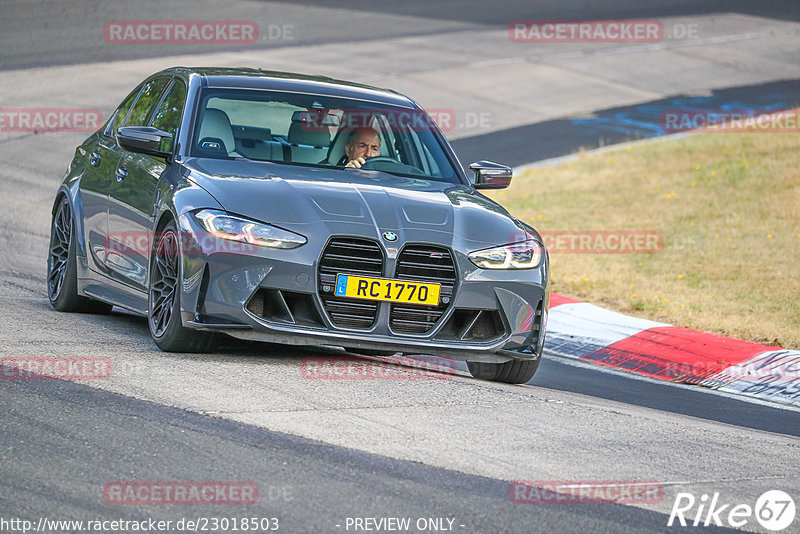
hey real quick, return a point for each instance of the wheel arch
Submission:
(163, 220)
(62, 193)
(75, 211)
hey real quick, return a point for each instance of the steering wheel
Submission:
(390, 165)
(368, 164)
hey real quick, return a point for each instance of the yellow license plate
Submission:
(359, 287)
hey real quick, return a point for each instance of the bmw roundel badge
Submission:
(390, 236)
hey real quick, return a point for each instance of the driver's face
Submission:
(365, 145)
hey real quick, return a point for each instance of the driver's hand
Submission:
(356, 163)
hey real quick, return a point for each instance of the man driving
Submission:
(362, 143)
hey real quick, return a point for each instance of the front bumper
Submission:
(264, 294)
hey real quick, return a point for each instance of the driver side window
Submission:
(122, 112)
(146, 103)
(169, 112)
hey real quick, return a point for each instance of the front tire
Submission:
(62, 266)
(513, 372)
(164, 305)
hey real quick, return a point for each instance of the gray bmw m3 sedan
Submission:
(301, 210)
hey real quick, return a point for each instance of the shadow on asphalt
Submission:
(482, 12)
(552, 374)
(561, 137)
(693, 402)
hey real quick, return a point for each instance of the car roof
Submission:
(247, 78)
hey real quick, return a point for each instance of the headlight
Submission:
(524, 255)
(227, 226)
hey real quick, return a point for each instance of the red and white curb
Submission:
(592, 334)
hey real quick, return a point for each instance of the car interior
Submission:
(283, 132)
(305, 142)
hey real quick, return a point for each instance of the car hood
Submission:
(320, 202)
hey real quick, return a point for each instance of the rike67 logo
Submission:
(774, 510)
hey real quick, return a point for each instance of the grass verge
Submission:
(728, 208)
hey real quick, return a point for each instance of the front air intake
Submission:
(423, 263)
(345, 255)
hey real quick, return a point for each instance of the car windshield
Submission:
(315, 130)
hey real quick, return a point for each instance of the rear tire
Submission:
(62, 266)
(164, 304)
(513, 372)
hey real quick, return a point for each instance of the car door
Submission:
(103, 158)
(133, 198)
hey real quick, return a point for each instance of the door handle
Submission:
(121, 174)
(95, 159)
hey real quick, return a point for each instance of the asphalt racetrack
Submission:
(324, 453)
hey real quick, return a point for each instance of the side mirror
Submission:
(490, 175)
(143, 139)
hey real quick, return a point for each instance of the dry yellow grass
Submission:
(728, 206)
